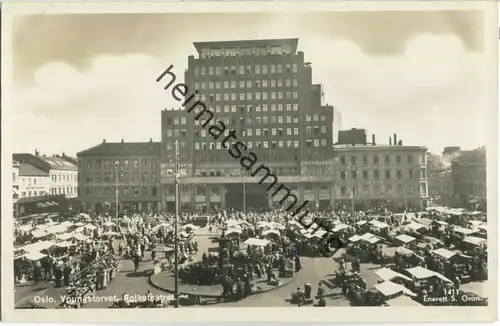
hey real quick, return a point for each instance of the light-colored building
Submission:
(63, 176)
(469, 178)
(33, 182)
(368, 175)
(15, 183)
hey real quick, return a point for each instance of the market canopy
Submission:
(90, 226)
(38, 233)
(64, 236)
(475, 240)
(34, 255)
(80, 237)
(445, 253)
(256, 242)
(190, 227)
(109, 224)
(405, 251)
(462, 230)
(389, 288)
(415, 226)
(25, 227)
(268, 232)
(340, 227)
(421, 273)
(404, 238)
(387, 274)
(378, 224)
(362, 222)
(63, 244)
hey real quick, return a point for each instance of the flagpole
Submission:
(176, 220)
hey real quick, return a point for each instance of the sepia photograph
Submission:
(230, 157)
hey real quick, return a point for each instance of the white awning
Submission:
(256, 242)
(404, 238)
(387, 274)
(445, 253)
(34, 255)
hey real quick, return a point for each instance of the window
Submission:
(343, 175)
(365, 174)
(354, 174)
(387, 174)
(342, 160)
(387, 159)
(399, 174)
(376, 174)
(398, 159)
(410, 174)
(375, 159)
(410, 159)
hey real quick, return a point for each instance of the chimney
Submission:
(373, 140)
(150, 140)
(390, 141)
(400, 143)
(395, 139)
(63, 154)
(122, 141)
(37, 152)
(104, 141)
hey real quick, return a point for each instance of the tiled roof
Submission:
(29, 170)
(59, 163)
(123, 149)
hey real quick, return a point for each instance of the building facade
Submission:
(263, 91)
(62, 170)
(373, 175)
(131, 168)
(15, 184)
(34, 189)
(469, 178)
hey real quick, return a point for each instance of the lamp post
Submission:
(117, 172)
(176, 221)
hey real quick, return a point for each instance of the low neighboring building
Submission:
(371, 175)
(15, 183)
(469, 178)
(138, 169)
(34, 188)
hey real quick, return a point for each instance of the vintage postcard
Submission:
(249, 162)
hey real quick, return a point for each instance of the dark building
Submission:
(352, 137)
(263, 90)
(138, 170)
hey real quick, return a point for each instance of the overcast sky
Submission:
(81, 78)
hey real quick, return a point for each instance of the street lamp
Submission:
(176, 220)
(117, 172)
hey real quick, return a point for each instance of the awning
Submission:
(475, 240)
(256, 242)
(445, 253)
(404, 238)
(389, 288)
(387, 274)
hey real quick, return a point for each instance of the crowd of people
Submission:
(83, 253)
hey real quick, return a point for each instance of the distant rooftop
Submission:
(377, 147)
(29, 170)
(123, 149)
(58, 163)
(291, 42)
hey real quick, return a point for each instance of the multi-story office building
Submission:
(132, 168)
(469, 178)
(370, 174)
(263, 90)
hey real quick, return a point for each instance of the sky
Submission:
(79, 79)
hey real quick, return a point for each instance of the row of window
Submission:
(124, 177)
(376, 159)
(381, 190)
(126, 164)
(29, 181)
(64, 177)
(124, 191)
(231, 84)
(388, 174)
(64, 190)
(249, 96)
(245, 51)
(265, 144)
(249, 109)
(245, 70)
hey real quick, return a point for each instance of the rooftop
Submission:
(292, 42)
(29, 170)
(378, 147)
(59, 163)
(123, 149)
